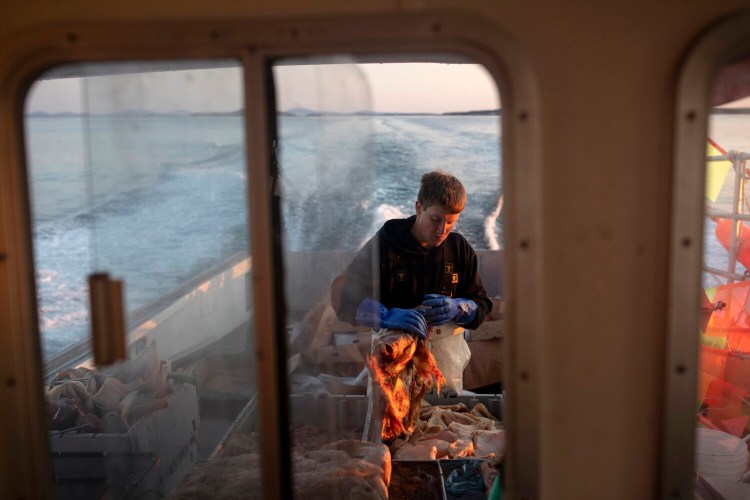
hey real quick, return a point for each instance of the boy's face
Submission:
(433, 225)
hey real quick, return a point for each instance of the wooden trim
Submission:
(723, 43)
(402, 34)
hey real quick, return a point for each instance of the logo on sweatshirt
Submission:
(449, 268)
(401, 275)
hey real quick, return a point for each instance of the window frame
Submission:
(258, 42)
(724, 42)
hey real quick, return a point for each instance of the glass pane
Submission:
(354, 143)
(723, 402)
(138, 170)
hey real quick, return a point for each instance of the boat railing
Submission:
(143, 318)
(176, 322)
(737, 215)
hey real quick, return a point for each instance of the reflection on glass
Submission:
(354, 143)
(721, 455)
(138, 170)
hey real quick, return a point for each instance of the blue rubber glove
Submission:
(376, 315)
(443, 309)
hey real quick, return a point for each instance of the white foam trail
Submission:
(383, 213)
(386, 212)
(55, 319)
(45, 276)
(489, 225)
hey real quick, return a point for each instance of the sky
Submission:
(342, 87)
(739, 103)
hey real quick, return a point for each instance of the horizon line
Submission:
(297, 111)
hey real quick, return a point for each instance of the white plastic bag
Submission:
(452, 354)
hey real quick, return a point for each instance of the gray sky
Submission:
(403, 87)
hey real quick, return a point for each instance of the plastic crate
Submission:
(152, 456)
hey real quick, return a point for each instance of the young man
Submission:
(416, 262)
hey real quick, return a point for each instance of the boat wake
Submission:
(490, 226)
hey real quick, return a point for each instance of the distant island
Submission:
(311, 113)
(131, 113)
(294, 112)
(305, 112)
(730, 111)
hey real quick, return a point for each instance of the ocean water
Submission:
(157, 200)
(338, 192)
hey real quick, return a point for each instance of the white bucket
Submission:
(719, 455)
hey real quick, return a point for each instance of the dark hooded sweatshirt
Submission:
(395, 270)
